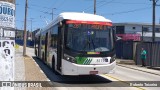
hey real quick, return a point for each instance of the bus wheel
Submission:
(36, 52)
(53, 66)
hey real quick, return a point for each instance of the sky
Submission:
(118, 11)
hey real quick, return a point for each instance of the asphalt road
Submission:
(118, 80)
(121, 79)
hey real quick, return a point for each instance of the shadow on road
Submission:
(84, 80)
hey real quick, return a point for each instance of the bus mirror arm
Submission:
(60, 24)
(116, 38)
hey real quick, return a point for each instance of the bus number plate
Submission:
(102, 60)
(93, 72)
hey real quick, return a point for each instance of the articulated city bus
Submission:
(77, 44)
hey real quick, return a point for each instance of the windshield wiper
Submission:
(93, 44)
(88, 43)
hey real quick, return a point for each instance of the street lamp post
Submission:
(52, 12)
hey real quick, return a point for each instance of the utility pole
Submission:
(25, 24)
(153, 18)
(153, 29)
(142, 33)
(94, 6)
(153, 22)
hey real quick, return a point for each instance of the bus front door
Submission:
(46, 48)
(59, 49)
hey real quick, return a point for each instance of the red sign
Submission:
(134, 37)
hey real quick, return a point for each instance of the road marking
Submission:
(41, 71)
(48, 79)
(37, 65)
(121, 81)
(139, 70)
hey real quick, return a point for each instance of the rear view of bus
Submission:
(88, 45)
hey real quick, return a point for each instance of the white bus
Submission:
(77, 44)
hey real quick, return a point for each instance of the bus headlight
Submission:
(113, 59)
(70, 59)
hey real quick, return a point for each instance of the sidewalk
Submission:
(26, 69)
(130, 64)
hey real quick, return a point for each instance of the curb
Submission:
(138, 69)
(126, 62)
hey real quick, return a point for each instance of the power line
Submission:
(61, 4)
(95, 6)
(52, 9)
(102, 3)
(131, 3)
(54, 3)
(129, 11)
(45, 12)
(90, 7)
(40, 6)
(106, 3)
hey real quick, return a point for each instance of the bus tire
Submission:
(36, 52)
(53, 66)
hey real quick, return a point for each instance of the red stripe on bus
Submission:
(89, 22)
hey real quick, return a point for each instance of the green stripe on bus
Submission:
(87, 62)
(90, 61)
(80, 60)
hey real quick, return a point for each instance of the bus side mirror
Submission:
(117, 38)
(114, 33)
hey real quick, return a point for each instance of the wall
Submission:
(124, 49)
(129, 28)
(153, 53)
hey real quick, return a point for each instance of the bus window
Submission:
(54, 36)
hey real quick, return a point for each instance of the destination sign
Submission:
(89, 26)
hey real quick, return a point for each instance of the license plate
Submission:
(102, 60)
(93, 72)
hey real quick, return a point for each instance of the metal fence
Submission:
(153, 53)
(20, 42)
(124, 49)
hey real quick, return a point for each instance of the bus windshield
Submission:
(89, 37)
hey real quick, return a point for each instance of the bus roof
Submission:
(77, 16)
(82, 17)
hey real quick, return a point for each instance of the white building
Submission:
(137, 28)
